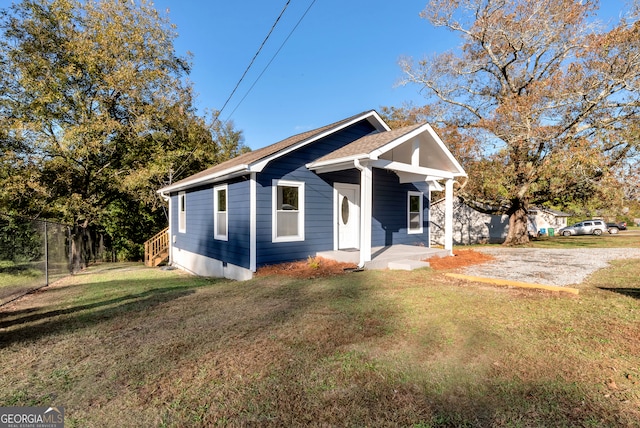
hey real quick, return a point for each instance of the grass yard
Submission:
(624, 239)
(128, 346)
(16, 278)
(17, 274)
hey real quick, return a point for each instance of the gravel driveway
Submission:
(559, 267)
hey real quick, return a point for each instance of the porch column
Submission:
(366, 211)
(448, 216)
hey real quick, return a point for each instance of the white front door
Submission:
(347, 209)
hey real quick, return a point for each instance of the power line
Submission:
(181, 168)
(271, 60)
(255, 56)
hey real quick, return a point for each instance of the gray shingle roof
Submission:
(259, 154)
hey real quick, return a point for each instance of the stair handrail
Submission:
(155, 246)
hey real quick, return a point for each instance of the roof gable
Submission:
(364, 146)
(415, 145)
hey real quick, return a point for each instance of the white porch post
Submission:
(366, 211)
(448, 216)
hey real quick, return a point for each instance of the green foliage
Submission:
(19, 240)
(98, 115)
(551, 96)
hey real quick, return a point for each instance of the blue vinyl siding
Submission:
(199, 235)
(389, 223)
(318, 204)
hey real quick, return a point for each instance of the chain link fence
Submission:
(36, 253)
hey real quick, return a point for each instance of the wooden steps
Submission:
(156, 249)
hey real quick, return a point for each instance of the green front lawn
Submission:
(128, 346)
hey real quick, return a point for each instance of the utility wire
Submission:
(271, 60)
(255, 56)
(181, 168)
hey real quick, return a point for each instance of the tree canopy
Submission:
(551, 96)
(98, 114)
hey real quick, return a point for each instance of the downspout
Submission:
(253, 218)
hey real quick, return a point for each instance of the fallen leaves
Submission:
(460, 258)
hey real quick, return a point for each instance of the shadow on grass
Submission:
(630, 292)
(32, 327)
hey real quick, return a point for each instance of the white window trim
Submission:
(182, 214)
(420, 229)
(274, 203)
(216, 189)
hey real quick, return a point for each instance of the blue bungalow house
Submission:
(354, 186)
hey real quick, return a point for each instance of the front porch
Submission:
(400, 257)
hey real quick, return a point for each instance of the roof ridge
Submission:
(272, 149)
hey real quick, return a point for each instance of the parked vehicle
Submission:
(616, 227)
(585, 227)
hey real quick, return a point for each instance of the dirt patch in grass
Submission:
(313, 267)
(460, 259)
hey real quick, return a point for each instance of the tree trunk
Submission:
(518, 223)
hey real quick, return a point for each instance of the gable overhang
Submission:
(372, 117)
(258, 166)
(408, 172)
(224, 175)
(426, 134)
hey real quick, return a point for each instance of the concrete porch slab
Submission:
(382, 256)
(407, 265)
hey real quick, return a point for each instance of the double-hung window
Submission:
(288, 211)
(414, 210)
(182, 212)
(220, 216)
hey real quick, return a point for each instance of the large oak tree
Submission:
(553, 97)
(98, 113)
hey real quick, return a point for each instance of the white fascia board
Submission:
(226, 174)
(418, 170)
(372, 115)
(336, 164)
(375, 154)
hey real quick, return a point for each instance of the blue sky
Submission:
(341, 60)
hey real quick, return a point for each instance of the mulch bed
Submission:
(461, 258)
(318, 267)
(313, 267)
